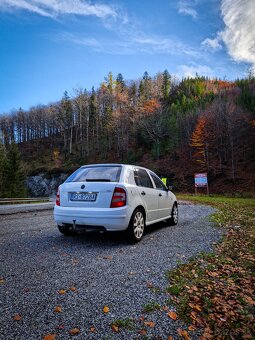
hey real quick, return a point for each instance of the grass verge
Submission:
(215, 291)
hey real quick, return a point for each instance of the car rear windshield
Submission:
(96, 174)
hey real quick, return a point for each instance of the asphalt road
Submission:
(25, 208)
(105, 270)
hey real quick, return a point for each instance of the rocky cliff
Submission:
(43, 185)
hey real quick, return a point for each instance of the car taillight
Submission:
(58, 198)
(118, 198)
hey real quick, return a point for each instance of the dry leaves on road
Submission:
(149, 324)
(115, 328)
(74, 331)
(106, 309)
(17, 317)
(183, 334)
(73, 289)
(49, 337)
(92, 329)
(58, 309)
(172, 315)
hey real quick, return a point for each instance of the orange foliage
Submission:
(198, 140)
(150, 106)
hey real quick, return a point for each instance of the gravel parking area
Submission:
(104, 270)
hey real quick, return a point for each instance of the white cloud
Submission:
(239, 33)
(195, 69)
(214, 44)
(90, 42)
(55, 8)
(187, 8)
(163, 45)
(132, 43)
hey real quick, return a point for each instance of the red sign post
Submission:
(201, 182)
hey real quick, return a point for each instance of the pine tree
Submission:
(166, 85)
(3, 163)
(15, 176)
(120, 82)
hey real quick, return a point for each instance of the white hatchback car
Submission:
(113, 197)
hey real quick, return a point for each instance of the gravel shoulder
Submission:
(37, 261)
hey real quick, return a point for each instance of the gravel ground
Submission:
(37, 261)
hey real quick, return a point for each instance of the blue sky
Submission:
(49, 46)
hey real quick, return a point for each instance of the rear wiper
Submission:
(97, 180)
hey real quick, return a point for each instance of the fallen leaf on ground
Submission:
(172, 315)
(213, 274)
(192, 328)
(170, 337)
(106, 309)
(197, 308)
(142, 332)
(115, 328)
(2, 281)
(58, 309)
(206, 336)
(149, 323)
(17, 317)
(149, 285)
(92, 329)
(73, 289)
(74, 331)
(183, 333)
(62, 291)
(49, 337)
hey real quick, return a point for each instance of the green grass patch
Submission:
(151, 307)
(127, 323)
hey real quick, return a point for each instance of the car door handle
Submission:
(143, 193)
(160, 195)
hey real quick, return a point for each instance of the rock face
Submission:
(44, 185)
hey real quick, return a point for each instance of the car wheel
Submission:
(174, 215)
(66, 230)
(136, 226)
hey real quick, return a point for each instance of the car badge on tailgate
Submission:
(83, 186)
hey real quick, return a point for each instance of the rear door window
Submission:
(158, 183)
(96, 174)
(142, 179)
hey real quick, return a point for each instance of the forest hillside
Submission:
(175, 127)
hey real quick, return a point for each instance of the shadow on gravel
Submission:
(117, 238)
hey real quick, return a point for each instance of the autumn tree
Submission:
(199, 143)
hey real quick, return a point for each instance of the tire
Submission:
(173, 220)
(66, 230)
(136, 226)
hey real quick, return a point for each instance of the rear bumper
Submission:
(109, 219)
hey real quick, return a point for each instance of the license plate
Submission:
(83, 196)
